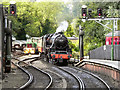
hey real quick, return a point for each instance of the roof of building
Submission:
(72, 38)
(13, 38)
(19, 42)
(116, 33)
(35, 37)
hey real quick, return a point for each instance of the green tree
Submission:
(35, 19)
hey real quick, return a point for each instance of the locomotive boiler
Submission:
(59, 41)
(56, 49)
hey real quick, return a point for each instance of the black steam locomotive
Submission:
(55, 47)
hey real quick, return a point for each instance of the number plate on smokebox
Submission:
(60, 60)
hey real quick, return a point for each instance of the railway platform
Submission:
(114, 64)
(106, 67)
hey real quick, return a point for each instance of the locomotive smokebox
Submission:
(61, 42)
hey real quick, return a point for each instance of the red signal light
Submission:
(84, 14)
(13, 9)
(12, 12)
(99, 10)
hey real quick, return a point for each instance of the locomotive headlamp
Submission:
(53, 56)
(69, 56)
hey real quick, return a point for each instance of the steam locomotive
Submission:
(55, 48)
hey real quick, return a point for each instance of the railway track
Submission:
(71, 77)
(84, 79)
(90, 80)
(95, 76)
(81, 85)
(35, 74)
(30, 80)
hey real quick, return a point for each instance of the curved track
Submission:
(97, 77)
(30, 80)
(27, 68)
(90, 80)
(78, 79)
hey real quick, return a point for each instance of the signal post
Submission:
(81, 34)
(8, 32)
(5, 38)
(1, 42)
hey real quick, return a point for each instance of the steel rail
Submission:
(108, 87)
(50, 77)
(81, 84)
(30, 78)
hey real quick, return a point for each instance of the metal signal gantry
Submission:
(100, 17)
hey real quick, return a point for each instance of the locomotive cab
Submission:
(30, 48)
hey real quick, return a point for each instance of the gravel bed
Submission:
(70, 80)
(57, 80)
(40, 80)
(15, 79)
(47, 67)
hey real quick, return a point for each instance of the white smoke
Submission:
(62, 27)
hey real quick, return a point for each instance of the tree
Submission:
(35, 19)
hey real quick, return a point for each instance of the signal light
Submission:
(84, 12)
(12, 12)
(89, 12)
(12, 9)
(99, 10)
